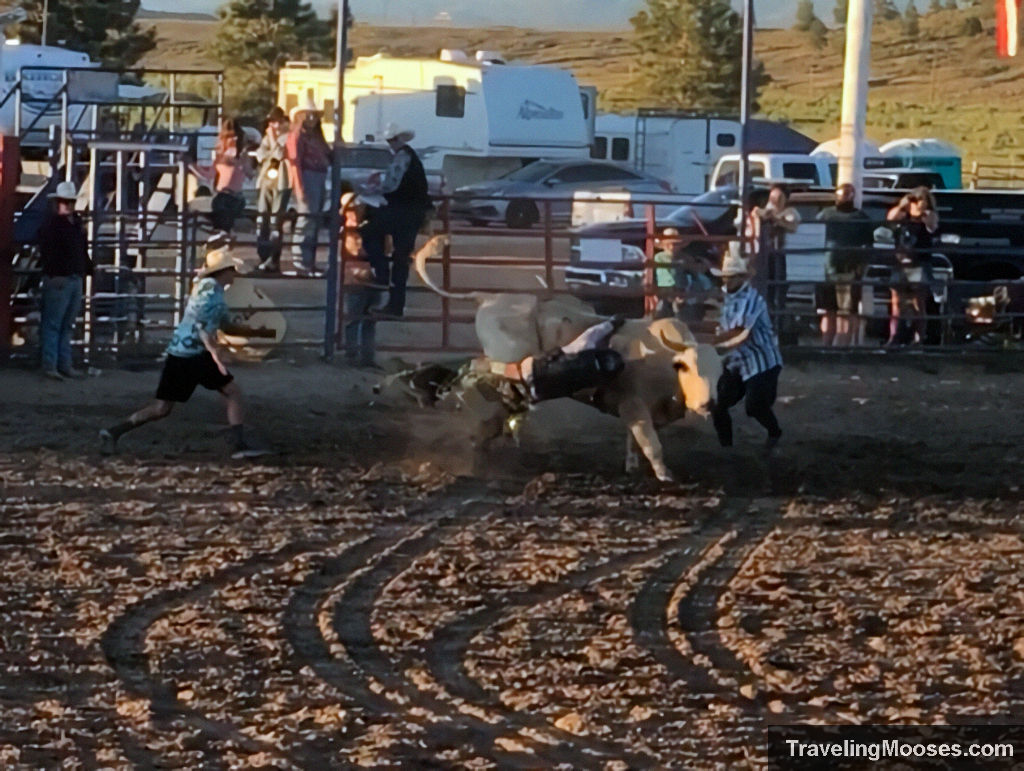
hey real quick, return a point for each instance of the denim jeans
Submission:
(360, 330)
(62, 297)
(271, 205)
(308, 222)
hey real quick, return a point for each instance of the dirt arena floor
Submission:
(377, 594)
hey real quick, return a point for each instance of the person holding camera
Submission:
(915, 224)
(274, 190)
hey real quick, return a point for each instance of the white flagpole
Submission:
(855, 95)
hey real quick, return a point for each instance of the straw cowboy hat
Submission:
(347, 199)
(395, 131)
(216, 261)
(308, 106)
(732, 264)
(65, 192)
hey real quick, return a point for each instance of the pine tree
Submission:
(934, 5)
(841, 11)
(254, 40)
(690, 55)
(804, 15)
(911, 20)
(106, 30)
(885, 10)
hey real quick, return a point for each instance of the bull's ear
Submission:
(672, 345)
(680, 365)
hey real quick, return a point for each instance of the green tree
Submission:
(254, 40)
(841, 11)
(804, 15)
(951, 5)
(971, 26)
(911, 20)
(885, 10)
(106, 30)
(689, 55)
(934, 5)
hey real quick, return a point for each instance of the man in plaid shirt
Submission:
(752, 362)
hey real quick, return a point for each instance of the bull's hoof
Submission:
(665, 476)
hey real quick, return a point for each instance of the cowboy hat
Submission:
(308, 106)
(394, 131)
(732, 264)
(65, 192)
(347, 199)
(216, 261)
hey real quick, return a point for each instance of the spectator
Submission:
(64, 259)
(309, 158)
(915, 223)
(696, 288)
(273, 189)
(665, 277)
(193, 358)
(404, 187)
(768, 227)
(361, 294)
(847, 231)
(752, 362)
(230, 168)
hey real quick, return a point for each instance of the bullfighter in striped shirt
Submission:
(751, 362)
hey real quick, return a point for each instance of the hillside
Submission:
(946, 85)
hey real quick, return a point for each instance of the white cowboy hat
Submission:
(65, 192)
(216, 261)
(308, 106)
(732, 264)
(394, 131)
(347, 199)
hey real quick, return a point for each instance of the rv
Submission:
(474, 120)
(681, 147)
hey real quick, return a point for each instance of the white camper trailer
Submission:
(40, 85)
(474, 120)
(682, 147)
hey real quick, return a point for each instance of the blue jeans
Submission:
(271, 204)
(62, 297)
(360, 331)
(308, 222)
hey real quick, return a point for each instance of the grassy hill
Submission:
(941, 84)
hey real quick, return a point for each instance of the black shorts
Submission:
(182, 374)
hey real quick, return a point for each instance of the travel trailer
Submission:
(474, 119)
(39, 104)
(682, 147)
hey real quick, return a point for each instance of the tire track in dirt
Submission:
(446, 655)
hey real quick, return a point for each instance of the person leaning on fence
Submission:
(193, 358)
(915, 223)
(362, 294)
(848, 233)
(768, 227)
(273, 189)
(309, 158)
(665, 263)
(230, 168)
(64, 262)
(752, 362)
(404, 188)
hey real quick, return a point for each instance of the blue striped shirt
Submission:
(760, 351)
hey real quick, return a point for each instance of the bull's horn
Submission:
(672, 345)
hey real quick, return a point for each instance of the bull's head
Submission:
(698, 369)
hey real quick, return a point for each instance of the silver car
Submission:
(519, 197)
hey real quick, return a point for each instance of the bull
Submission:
(665, 373)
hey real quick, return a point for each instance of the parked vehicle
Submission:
(902, 179)
(514, 198)
(606, 260)
(683, 147)
(474, 119)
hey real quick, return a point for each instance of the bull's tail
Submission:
(435, 248)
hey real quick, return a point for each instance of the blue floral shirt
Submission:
(206, 311)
